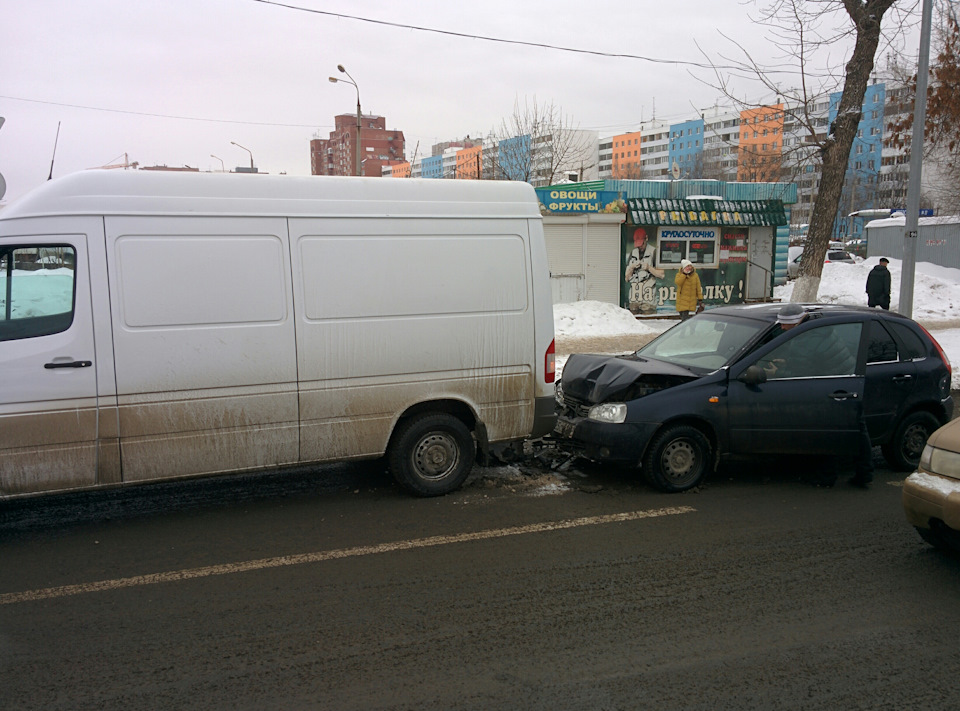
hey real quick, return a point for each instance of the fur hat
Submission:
(684, 263)
(791, 313)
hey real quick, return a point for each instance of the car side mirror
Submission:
(754, 375)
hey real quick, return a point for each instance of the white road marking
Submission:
(320, 556)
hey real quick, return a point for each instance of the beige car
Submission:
(931, 495)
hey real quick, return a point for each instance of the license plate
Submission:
(565, 428)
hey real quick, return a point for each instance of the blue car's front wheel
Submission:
(678, 458)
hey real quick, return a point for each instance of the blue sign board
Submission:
(924, 211)
(561, 200)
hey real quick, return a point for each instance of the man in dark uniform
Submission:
(878, 286)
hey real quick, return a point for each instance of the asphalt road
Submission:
(522, 591)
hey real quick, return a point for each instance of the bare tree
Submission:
(538, 144)
(803, 30)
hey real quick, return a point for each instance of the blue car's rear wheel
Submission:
(903, 451)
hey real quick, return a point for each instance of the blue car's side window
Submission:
(829, 350)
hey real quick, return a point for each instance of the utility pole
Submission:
(912, 221)
(350, 80)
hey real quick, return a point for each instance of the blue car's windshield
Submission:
(706, 343)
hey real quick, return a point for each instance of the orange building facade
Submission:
(470, 163)
(626, 156)
(761, 144)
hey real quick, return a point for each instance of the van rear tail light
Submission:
(550, 363)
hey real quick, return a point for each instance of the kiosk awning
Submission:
(734, 213)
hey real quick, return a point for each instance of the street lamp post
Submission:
(350, 80)
(252, 169)
(223, 168)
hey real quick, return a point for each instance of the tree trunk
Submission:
(836, 150)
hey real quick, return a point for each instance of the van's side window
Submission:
(37, 285)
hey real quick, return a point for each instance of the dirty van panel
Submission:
(444, 310)
(204, 334)
(207, 431)
(345, 418)
(48, 382)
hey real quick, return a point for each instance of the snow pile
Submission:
(596, 318)
(936, 293)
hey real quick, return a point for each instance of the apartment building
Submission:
(721, 143)
(760, 153)
(654, 150)
(626, 157)
(469, 163)
(337, 154)
(605, 159)
(686, 149)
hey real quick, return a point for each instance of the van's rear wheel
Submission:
(432, 454)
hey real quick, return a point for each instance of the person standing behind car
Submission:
(814, 354)
(689, 290)
(878, 286)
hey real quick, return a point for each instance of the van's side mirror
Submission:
(754, 375)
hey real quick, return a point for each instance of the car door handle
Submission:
(902, 378)
(842, 395)
(69, 364)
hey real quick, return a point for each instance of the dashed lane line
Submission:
(321, 556)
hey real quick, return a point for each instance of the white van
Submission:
(161, 325)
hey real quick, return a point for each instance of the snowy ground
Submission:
(936, 305)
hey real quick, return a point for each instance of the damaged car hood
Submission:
(598, 378)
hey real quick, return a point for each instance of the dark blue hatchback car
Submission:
(732, 381)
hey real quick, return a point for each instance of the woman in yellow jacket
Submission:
(689, 290)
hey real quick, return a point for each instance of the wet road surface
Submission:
(527, 589)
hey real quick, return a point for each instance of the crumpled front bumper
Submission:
(622, 443)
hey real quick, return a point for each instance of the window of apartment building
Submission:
(754, 134)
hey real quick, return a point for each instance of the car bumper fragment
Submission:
(928, 496)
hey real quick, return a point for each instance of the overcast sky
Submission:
(170, 82)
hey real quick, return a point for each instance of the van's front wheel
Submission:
(432, 454)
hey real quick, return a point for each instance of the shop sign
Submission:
(561, 200)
